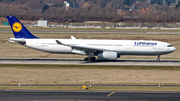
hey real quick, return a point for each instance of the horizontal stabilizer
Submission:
(20, 41)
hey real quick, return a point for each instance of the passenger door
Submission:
(160, 47)
(128, 46)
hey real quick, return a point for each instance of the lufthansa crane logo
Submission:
(17, 27)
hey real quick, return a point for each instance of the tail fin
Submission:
(18, 29)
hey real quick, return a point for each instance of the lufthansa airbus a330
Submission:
(104, 49)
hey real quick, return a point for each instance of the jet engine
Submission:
(108, 55)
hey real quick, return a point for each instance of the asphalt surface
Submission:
(97, 62)
(56, 95)
(159, 32)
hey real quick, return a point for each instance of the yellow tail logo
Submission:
(17, 27)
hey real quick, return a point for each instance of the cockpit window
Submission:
(169, 46)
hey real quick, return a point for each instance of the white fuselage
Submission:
(122, 47)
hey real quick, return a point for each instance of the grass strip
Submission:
(90, 29)
(88, 74)
(91, 88)
(41, 66)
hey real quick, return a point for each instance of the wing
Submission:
(82, 48)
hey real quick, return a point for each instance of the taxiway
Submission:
(56, 95)
(97, 62)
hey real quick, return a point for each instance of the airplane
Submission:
(104, 49)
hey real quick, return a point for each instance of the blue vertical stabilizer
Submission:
(18, 29)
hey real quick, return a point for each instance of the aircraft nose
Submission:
(173, 49)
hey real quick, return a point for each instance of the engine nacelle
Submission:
(108, 55)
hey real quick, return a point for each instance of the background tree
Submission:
(45, 7)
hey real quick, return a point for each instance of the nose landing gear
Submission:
(158, 58)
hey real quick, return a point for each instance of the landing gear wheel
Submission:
(92, 58)
(89, 59)
(86, 59)
(158, 59)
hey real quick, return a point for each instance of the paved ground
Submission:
(82, 62)
(37, 95)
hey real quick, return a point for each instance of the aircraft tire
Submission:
(93, 58)
(158, 60)
(86, 59)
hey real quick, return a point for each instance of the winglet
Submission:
(58, 42)
(19, 30)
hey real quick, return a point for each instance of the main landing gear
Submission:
(90, 59)
(158, 58)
